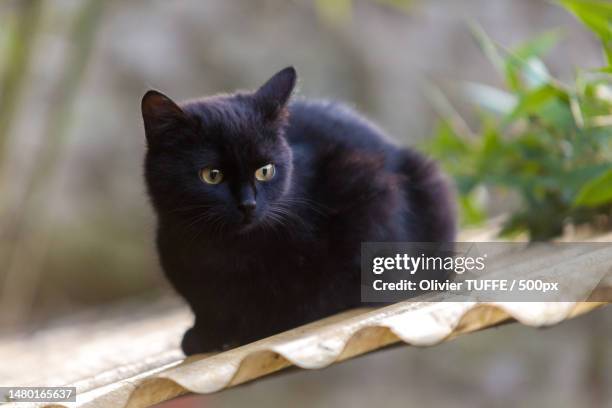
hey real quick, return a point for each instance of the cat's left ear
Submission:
(161, 116)
(273, 96)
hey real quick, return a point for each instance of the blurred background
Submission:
(76, 229)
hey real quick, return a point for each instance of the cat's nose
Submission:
(247, 207)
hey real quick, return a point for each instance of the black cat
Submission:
(263, 204)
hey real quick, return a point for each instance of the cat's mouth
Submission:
(247, 223)
(246, 228)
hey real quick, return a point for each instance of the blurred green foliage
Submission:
(547, 142)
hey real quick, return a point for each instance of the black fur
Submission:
(339, 182)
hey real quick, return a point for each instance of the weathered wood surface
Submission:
(130, 357)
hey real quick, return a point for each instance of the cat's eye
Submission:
(265, 173)
(211, 176)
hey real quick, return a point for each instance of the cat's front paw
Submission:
(196, 342)
(191, 343)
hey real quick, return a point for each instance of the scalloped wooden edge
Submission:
(367, 332)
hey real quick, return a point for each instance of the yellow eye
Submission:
(265, 173)
(211, 176)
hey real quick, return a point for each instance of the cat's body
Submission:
(339, 182)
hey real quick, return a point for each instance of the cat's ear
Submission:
(273, 96)
(161, 115)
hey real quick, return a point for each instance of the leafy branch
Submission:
(547, 142)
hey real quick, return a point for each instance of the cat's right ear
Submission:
(273, 96)
(161, 116)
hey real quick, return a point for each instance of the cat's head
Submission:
(221, 163)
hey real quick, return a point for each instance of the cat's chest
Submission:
(262, 256)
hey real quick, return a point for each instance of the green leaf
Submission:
(533, 101)
(523, 63)
(445, 141)
(471, 211)
(596, 192)
(574, 180)
(597, 15)
(490, 98)
(489, 48)
(537, 46)
(535, 73)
